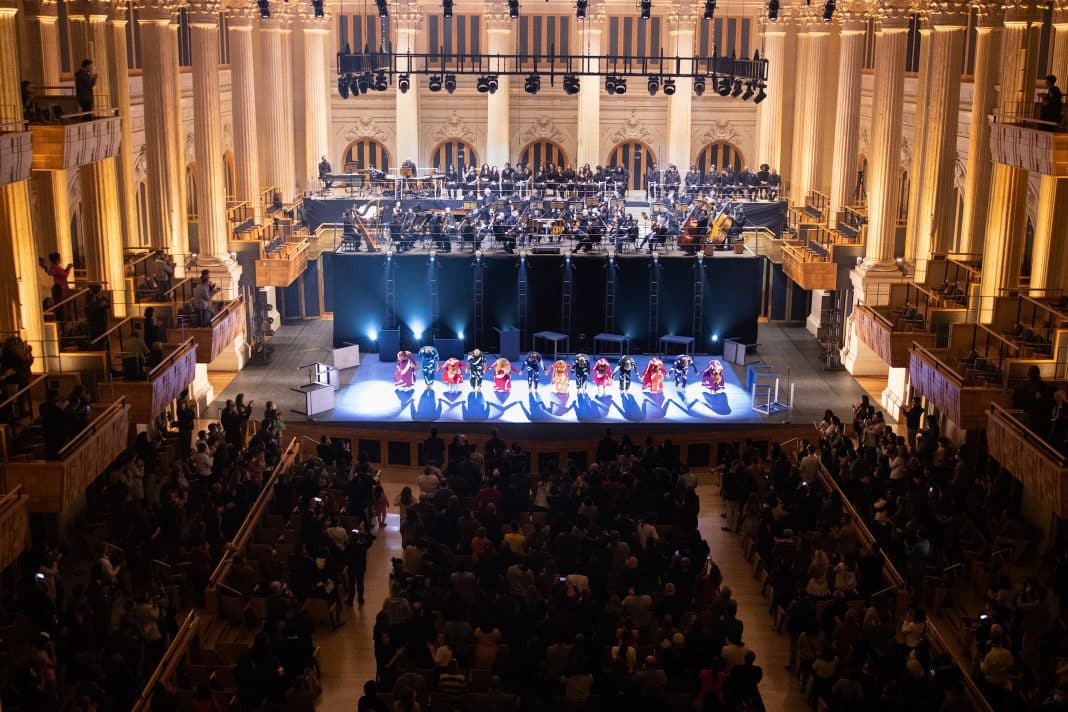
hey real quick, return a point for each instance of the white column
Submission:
(317, 110)
(798, 188)
(275, 137)
(409, 27)
(847, 116)
(207, 130)
(977, 172)
(769, 111)
(120, 92)
(589, 95)
(243, 107)
(808, 117)
(498, 105)
(680, 104)
(1049, 252)
(919, 248)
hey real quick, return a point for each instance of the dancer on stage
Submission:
(452, 372)
(625, 369)
(404, 373)
(502, 375)
(476, 368)
(581, 367)
(712, 376)
(428, 361)
(653, 378)
(560, 379)
(602, 375)
(534, 366)
(680, 370)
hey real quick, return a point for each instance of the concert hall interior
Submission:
(400, 355)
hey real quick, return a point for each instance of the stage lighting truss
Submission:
(728, 76)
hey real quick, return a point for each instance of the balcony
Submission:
(54, 486)
(911, 314)
(1020, 140)
(14, 526)
(151, 391)
(16, 152)
(177, 319)
(813, 212)
(281, 262)
(810, 265)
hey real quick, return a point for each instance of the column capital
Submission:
(948, 13)
(305, 19)
(155, 10)
(1060, 12)
(496, 16)
(42, 9)
(240, 18)
(405, 14)
(204, 12)
(91, 8)
(281, 19)
(118, 12)
(1021, 12)
(682, 17)
(893, 16)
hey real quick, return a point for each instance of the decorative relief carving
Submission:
(228, 136)
(862, 143)
(366, 127)
(960, 170)
(454, 127)
(190, 149)
(542, 128)
(906, 154)
(720, 131)
(632, 128)
(140, 164)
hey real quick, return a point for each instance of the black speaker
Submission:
(388, 345)
(546, 250)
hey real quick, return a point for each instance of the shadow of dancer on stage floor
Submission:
(427, 407)
(590, 409)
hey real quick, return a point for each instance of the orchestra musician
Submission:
(470, 182)
(408, 165)
(693, 181)
(324, 173)
(452, 182)
(652, 182)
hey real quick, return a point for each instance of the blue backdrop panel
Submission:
(449, 348)
(388, 344)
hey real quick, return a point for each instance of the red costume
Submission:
(453, 371)
(602, 373)
(653, 378)
(502, 375)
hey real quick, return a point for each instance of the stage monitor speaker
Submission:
(546, 250)
(449, 348)
(388, 345)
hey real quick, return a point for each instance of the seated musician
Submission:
(324, 173)
(738, 221)
(467, 233)
(452, 182)
(774, 182)
(762, 180)
(658, 234)
(443, 227)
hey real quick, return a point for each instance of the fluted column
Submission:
(243, 107)
(681, 26)
(166, 174)
(498, 104)
(275, 137)
(20, 303)
(120, 92)
(317, 111)
(769, 111)
(1007, 210)
(919, 138)
(847, 116)
(812, 49)
(408, 20)
(977, 172)
(589, 95)
(207, 129)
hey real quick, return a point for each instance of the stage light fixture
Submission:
(478, 255)
(723, 87)
(343, 86)
(372, 334)
(654, 84)
(433, 256)
(381, 84)
(354, 86)
(710, 9)
(669, 86)
(492, 83)
(265, 8)
(699, 86)
(482, 85)
(748, 94)
(571, 84)
(450, 83)
(532, 84)
(580, 9)
(389, 254)
(619, 85)
(364, 82)
(383, 8)
(610, 84)
(317, 8)
(828, 10)
(513, 9)
(773, 10)
(434, 82)
(737, 91)
(460, 335)
(761, 94)
(646, 7)
(404, 83)
(446, 9)
(715, 337)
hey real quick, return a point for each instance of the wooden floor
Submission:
(348, 654)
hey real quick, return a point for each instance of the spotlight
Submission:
(715, 337)
(773, 10)
(699, 86)
(614, 84)
(389, 254)
(492, 83)
(737, 91)
(354, 86)
(761, 94)
(571, 84)
(710, 9)
(532, 84)
(265, 8)
(364, 82)
(610, 84)
(723, 86)
(828, 10)
(383, 8)
(482, 85)
(513, 9)
(380, 81)
(433, 256)
(460, 335)
(446, 9)
(478, 255)
(450, 83)
(434, 82)
(404, 83)
(748, 94)
(700, 259)
(372, 334)
(654, 84)
(343, 87)
(646, 8)
(669, 86)
(580, 9)
(317, 8)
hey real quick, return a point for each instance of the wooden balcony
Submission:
(806, 265)
(961, 399)
(281, 266)
(887, 337)
(226, 326)
(14, 526)
(60, 146)
(149, 397)
(54, 485)
(1029, 147)
(1037, 465)
(16, 154)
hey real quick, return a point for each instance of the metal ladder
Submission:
(477, 313)
(654, 304)
(565, 298)
(435, 306)
(391, 294)
(698, 303)
(521, 302)
(610, 297)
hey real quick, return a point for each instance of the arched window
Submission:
(142, 213)
(718, 156)
(903, 199)
(636, 157)
(365, 153)
(860, 188)
(230, 176)
(958, 217)
(77, 245)
(191, 192)
(457, 153)
(538, 153)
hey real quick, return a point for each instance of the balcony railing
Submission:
(281, 263)
(14, 526)
(16, 151)
(153, 392)
(960, 390)
(809, 264)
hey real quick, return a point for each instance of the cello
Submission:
(690, 239)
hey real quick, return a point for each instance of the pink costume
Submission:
(560, 376)
(712, 376)
(502, 375)
(452, 371)
(404, 373)
(653, 378)
(602, 373)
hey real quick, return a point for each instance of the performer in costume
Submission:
(428, 361)
(625, 369)
(581, 367)
(404, 373)
(534, 365)
(680, 370)
(452, 372)
(653, 377)
(476, 368)
(712, 376)
(602, 375)
(560, 379)
(502, 375)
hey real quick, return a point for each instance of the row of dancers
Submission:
(600, 373)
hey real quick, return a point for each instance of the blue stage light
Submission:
(372, 334)
(460, 334)
(715, 337)
(417, 329)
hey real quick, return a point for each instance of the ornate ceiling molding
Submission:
(543, 128)
(632, 128)
(366, 127)
(720, 131)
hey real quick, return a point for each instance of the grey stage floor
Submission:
(789, 350)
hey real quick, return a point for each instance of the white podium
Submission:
(318, 392)
(347, 356)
